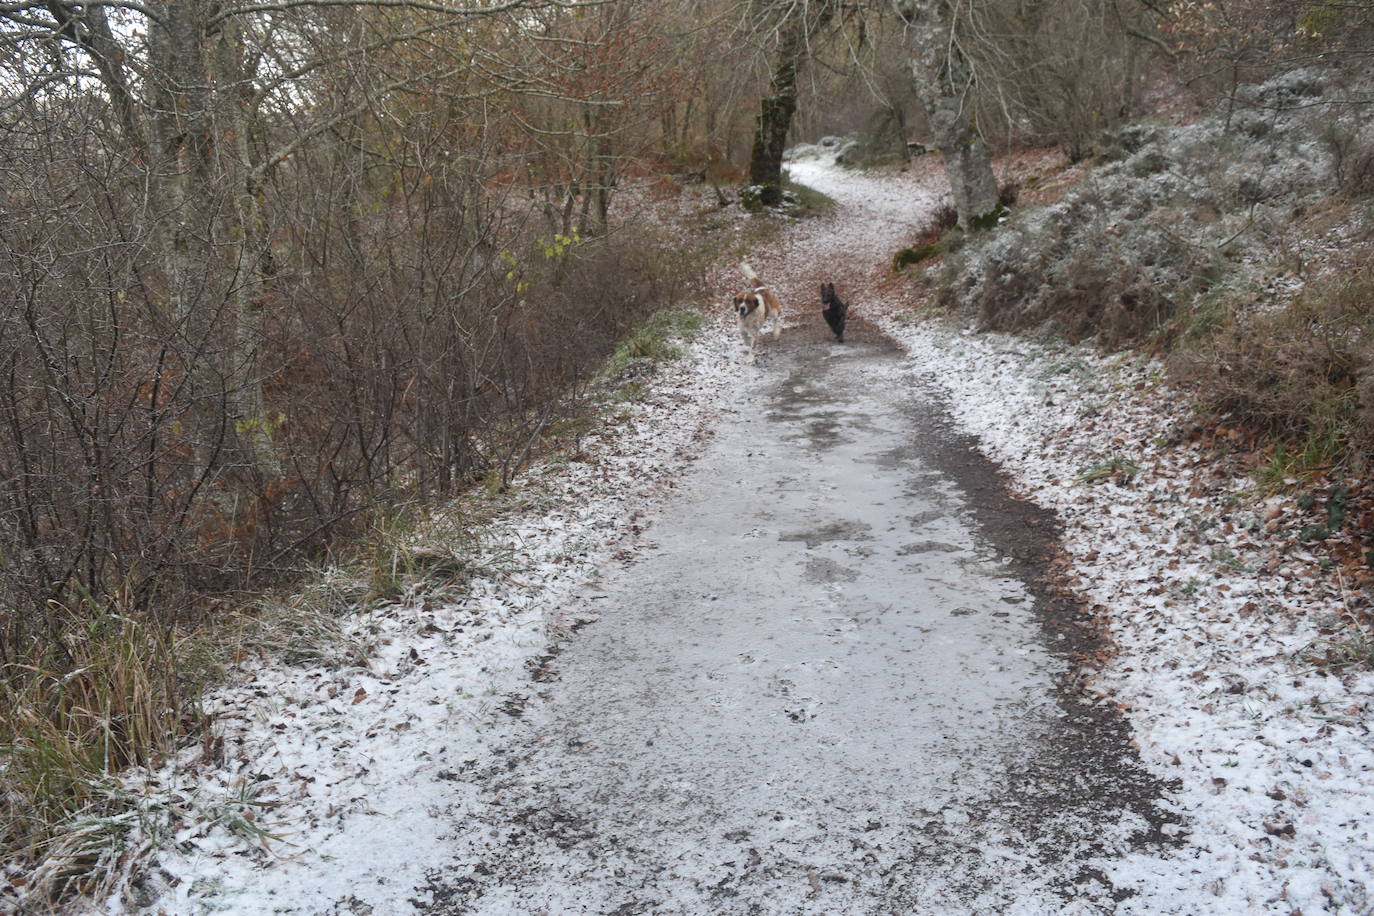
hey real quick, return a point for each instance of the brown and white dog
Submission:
(754, 308)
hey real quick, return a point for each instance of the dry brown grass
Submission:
(1301, 371)
(113, 693)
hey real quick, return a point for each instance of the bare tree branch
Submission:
(281, 6)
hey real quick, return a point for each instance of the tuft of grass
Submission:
(1335, 507)
(1350, 645)
(803, 201)
(242, 813)
(1326, 446)
(118, 693)
(306, 628)
(1321, 437)
(1227, 560)
(1118, 468)
(906, 257)
(388, 555)
(1211, 301)
(656, 339)
(405, 553)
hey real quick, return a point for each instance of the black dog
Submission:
(834, 310)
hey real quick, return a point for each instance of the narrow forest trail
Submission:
(778, 639)
(831, 681)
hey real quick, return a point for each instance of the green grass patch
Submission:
(1327, 446)
(804, 201)
(658, 339)
(1118, 468)
(793, 199)
(907, 257)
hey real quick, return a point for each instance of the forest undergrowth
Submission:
(117, 684)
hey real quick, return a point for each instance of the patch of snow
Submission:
(1275, 761)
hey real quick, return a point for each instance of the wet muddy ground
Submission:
(836, 679)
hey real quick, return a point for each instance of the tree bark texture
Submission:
(943, 80)
(799, 23)
(773, 123)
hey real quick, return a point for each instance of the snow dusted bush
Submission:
(1102, 261)
(1349, 142)
(1286, 90)
(1236, 242)
(1168, 212)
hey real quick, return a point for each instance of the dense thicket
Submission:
(268, 267)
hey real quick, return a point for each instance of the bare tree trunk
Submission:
(246, 252)
(181, 136)
(943, 79)
(774, 121)
(777, 108)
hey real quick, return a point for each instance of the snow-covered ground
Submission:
(1275, 759)
(1208, 599)
(326, 789)
(326, 784)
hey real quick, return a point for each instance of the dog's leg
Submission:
(749, 341)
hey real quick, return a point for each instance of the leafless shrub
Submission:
(199, 393)
(1302, 371)
(1351, 149)
(1058, 73)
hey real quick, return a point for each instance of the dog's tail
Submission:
(748, 272)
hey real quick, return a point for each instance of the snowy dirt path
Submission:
(826, 689)
(832, 684)
(843, 673)
(1212, 603)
